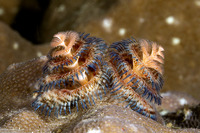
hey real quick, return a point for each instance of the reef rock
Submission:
(68, 15)
(165, 22)
(105, 117)
(16, 49)
(172, 101)
(108, 115)
(8, 10)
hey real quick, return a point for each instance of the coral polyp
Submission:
(137, 68)
(72, 76)
(81, 70)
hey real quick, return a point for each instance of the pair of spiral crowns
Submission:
(81, 70)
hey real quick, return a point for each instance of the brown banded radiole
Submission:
(73, 75)
(81, 70)
(137, 69)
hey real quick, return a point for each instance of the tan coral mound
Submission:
(108, 115)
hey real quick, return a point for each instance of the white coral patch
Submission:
(122, 31)
(141, 20)
(15, 46)
(183, 101)
(197, 2)
(61, 8)
(171, 20)
(176, 41)
(1, 11)
(39, 54)
(94, 131)
(107, 24)
(164, 112)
